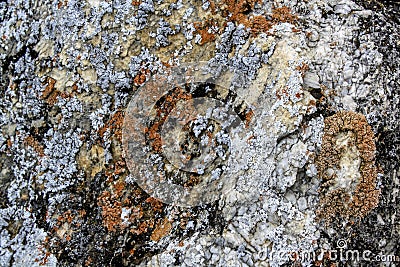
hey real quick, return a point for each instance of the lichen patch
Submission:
(346, 165)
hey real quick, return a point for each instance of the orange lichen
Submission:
(240, 12)
(258, 24)
(239, 8)
(114, 125)
(32, 142)
(111, 210)
(141, 216)
(143, 227)
(52, 99)
(9, 143)
(283, 14)
(111, 206)
(207, 30)
(115, 169)
(141, 77)
(155, 203)
(66, 217)
(49, 88)
(192, 181)
(75, 87)
(248, 117)
(50, 95)
(303, 68)
(296, 30)
(44, 259)
(162, 229)
(135, 3)
(88, 261)
(339, 201)
(152, 133)
(119, 187)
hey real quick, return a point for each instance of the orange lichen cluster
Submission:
(135, 3)
(162, 229)
(65, 217)
(303, 68)
(62, 3)
(45, 259)
(141, 77)
(112, 207)
(239, 12)
(50, 95)
(248, 117)
(206, 29)
(88, 261)
(192, 181)
(184, 219)
(115, 170)
(49, 88)
(9, 143)
(339, 201)
(240, 8)
(155, 203)
(66, 224)
(32, 142)
(114, 125)
(143, 227)
(280, 93)
(283, 14)
(141, 217)
(44, 252)
(152, 132)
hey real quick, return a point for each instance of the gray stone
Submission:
(311, 80)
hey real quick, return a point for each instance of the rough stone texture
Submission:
(70, 68)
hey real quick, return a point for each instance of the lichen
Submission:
(69, 68)
(339, 198)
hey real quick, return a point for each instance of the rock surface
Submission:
(300, 106)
